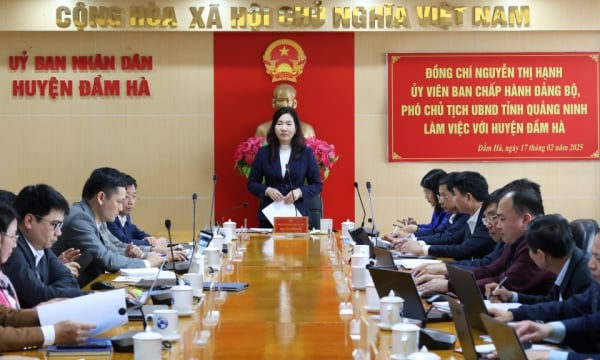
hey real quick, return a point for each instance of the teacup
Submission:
(405, 340)
(182, 298)
(147, 345)
(165, 322)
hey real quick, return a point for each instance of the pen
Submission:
(500, 284)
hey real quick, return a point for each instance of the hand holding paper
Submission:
(105, 310)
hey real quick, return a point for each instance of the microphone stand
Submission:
(373, 231)
(362, 224)
(287, 170)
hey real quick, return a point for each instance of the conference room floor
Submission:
(289, 311)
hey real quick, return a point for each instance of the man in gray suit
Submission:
(85, 229)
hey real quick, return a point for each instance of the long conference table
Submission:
(289, 311)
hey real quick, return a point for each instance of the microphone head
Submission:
(356, 184)
(215, 178)
(245, 204)
(368, 185)
(194, 196)
(168, 224)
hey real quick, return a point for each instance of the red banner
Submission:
(462, 107)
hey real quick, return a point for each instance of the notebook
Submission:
(463, 330)
(403, 285)
(465, 287)
(137, 313)
(505, 339)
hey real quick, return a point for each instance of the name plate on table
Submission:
(291, 225)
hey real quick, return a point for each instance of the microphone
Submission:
(194, 200)
(168, 226)
(289, 174)
(231, 209)
(212, 204)
(362, 224)
(374, 232)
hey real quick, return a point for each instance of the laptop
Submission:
(505, 339)
(181, 267)
(463, 331)
(155, 283)
(465, 287)
(403, 285)
(384, 259)
(360, 237)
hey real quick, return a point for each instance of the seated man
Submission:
(518, 206)
(432, 278)
(552, 247)
(470, 189)
(85, 228)
(20, 329)
(36, 273)
(573, 322)
(453, 230)
(578, 305)
(124, 229)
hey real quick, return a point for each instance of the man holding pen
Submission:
(518, 206)
(551, 247)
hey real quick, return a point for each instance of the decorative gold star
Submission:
(284, 51)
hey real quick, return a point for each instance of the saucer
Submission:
(186, 313)
(397, 357)
(171, 337)
(383, 326)
(371, 309)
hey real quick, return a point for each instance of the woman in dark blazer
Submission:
(286, 169)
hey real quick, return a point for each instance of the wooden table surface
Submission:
(289, 311)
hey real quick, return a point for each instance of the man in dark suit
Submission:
(573, 322)
(470, 190)
(85, 228)
(35, 271)
(551, 247)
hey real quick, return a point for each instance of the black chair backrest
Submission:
(584, 231)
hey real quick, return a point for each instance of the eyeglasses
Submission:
(487, 220)
(443, 196)
(13, 237)
(56, 225)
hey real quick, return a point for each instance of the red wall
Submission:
(243, 92)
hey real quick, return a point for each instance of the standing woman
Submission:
(286, 169)
(8, 241)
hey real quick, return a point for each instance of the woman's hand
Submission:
(274, 194)
(292, 196)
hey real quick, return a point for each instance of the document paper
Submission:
(105, 309)
(280, 209)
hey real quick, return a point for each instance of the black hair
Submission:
(431, 181)
(103, 179)
(7, 216)
(526, 196)
(129, 180)
(552, 234)
(448, 180)
(297, 142)
(494, 198)
(39, 200)
(7, 197)
(473, 183)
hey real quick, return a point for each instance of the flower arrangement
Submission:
(246, 151)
